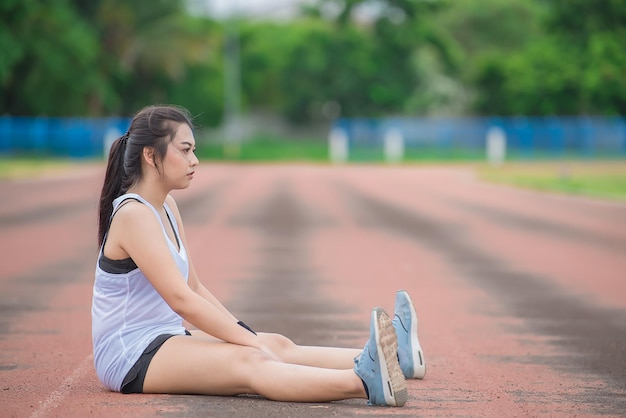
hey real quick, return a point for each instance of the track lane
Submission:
(332, 242)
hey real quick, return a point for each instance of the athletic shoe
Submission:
(378, 366)
(410, 353)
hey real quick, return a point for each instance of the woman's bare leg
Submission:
(315, 356)
(197, 365)
(326, 357)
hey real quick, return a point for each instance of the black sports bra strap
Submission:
(122, 203)
(173, 229)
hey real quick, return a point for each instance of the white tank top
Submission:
(128, 313)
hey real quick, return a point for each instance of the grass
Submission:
(603, 179)
(12, 167)
(266, 149)
(273, 149)
(595, 178)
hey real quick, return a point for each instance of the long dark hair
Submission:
(152, 126)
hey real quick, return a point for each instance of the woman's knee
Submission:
(252, 357)
(277, 342)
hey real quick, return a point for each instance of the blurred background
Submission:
(321, 80)
(387, 111)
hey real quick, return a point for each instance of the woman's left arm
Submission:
(194, 281)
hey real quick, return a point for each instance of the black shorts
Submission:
(133, 382)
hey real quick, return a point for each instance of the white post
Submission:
(110, 135)
(496, 145)
(394, 146)
(338, 146)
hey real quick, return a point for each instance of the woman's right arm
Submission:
(193, 280)
(137, 231)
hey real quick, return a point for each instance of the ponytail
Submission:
(113, 184)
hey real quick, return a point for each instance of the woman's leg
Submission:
(315, 356)
(197, 365)
(326, 357)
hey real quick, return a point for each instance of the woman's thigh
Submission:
(201, 365)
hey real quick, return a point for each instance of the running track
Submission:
(521, 296)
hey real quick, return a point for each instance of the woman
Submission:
(145, 286)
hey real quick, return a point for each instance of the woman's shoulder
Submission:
(136, 221)
(133, 210)
(132, 221)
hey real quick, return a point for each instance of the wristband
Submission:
(243, 324)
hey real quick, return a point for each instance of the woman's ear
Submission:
(148, 156)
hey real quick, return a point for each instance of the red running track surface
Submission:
(521, 296)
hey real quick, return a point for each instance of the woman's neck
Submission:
(152, 193)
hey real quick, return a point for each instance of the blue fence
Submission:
(66, 137)
(585, 137)
(525, 137)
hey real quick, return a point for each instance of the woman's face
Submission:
(180, 160)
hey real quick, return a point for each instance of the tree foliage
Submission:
(348, 57)
(577, 67)
(47, 58)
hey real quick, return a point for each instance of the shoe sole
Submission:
(419, 364)
(394, 384)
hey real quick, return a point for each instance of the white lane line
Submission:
(58, 395)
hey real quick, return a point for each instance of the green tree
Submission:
(367, 67)
(263, 56)
(311, 63)
(400, 33)
(541, 80)
(48, 56)
(72, 57)
(578, 68)
(598, 29)
(485, 35)
(200, 87)
(327, 65)
(580, 20)
(485, 26)
(144, 47)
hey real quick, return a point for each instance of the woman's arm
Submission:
(196, 285)
(194, 281)
(137, 231)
